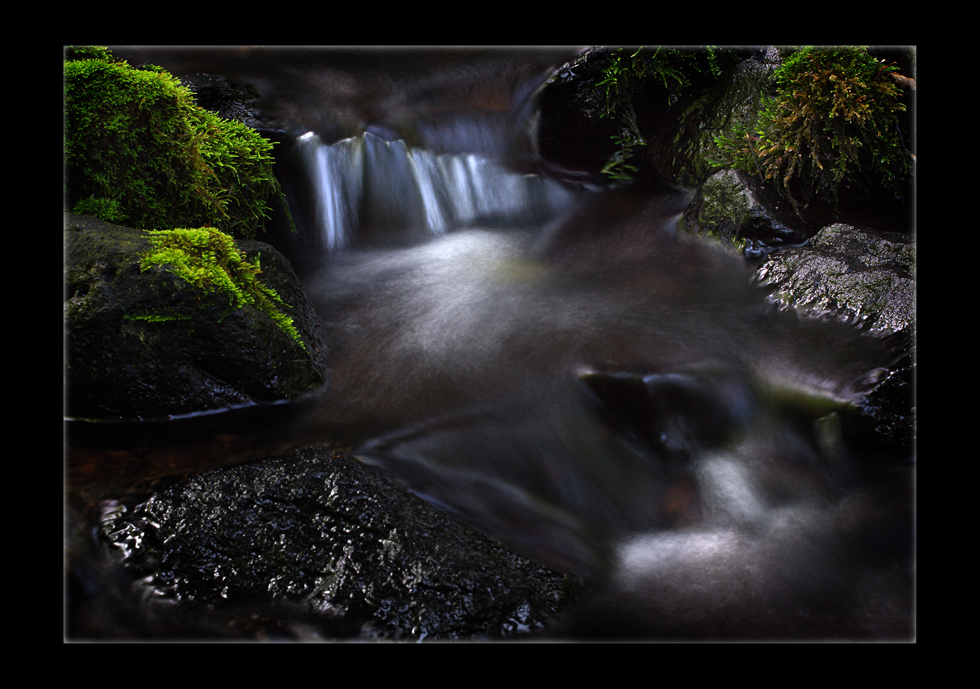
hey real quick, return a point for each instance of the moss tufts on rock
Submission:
(832, 125)
(139, 151)
(208, 259)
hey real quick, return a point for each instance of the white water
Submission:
(366, 185)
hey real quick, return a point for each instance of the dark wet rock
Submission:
(885, 424)
(316, 545)
(734, 206)
(120, 367)
(215, 93)
(857, 274)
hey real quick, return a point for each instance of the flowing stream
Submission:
(368, 189)
(553, 364)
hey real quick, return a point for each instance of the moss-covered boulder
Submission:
(836, 124)
(143, 341)
(139, 151)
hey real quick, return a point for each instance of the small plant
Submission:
(833, 124)
(109, 210)
(626, 73)
(622, 76)
(628, 141)
(137, 148)
(208, 259)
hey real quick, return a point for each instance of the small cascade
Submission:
(336, 175)
(374, 192)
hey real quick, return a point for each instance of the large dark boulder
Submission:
(313, 545)
(117, 366)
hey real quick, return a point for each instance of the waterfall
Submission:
(370, 191)
(336, 175)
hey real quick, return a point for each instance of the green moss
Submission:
(832, 124)
(157, 317)
(137, 148)
(209, 260)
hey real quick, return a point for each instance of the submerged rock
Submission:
(316, 545)
(118, 366)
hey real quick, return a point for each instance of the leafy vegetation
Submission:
(833, 123)
(109, 210)
(138, 150)
(626, 73)
(208, 259)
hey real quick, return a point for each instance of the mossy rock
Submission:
(210, 353)
(734, 207)
(837, 125)
(140, 152)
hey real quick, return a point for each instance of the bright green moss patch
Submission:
(138, 150)
(158, 317)
(209, 260)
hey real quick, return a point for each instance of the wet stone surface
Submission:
(315, 545)
(858, 274)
